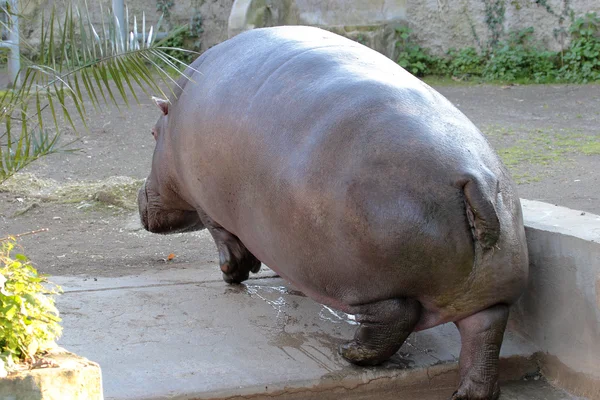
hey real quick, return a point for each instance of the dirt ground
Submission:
(549, 136)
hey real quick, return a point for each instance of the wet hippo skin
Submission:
(356, 182)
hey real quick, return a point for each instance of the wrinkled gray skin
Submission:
(356, 182)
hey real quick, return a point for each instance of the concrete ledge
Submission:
(563, 221)
(566, 378)
(431, 383)
(560, 311)
(73, 378)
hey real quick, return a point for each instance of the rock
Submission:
(370, 22)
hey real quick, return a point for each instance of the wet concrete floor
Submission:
(183, 334)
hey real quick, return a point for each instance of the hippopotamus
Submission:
(353, 180)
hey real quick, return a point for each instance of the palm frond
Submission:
(79, 64)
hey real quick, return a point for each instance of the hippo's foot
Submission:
(385, 325)
(235, 259)
(481, 336)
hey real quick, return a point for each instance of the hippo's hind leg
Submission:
(481, 336)
(235, 259)
(384, 326)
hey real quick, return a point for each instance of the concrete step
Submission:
(534, 390)
(513, 390)
(184, 334)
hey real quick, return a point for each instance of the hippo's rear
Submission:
(352, 179)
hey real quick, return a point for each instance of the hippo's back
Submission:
(346, 174)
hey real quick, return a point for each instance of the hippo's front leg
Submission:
(235, 259)
(481, 336)
(385, 325)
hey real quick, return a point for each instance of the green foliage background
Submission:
(514, 59)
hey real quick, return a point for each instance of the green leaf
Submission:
(11, 312)
(28, 317)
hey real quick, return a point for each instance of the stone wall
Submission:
(215, 14)
(442, 24)
(369, 22)
(437, 24)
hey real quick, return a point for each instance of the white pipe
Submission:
(14, 57)
(118, 7)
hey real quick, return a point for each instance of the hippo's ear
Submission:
(162, 104)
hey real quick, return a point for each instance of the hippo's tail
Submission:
(481, 211)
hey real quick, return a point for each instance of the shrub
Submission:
(185, 37)
(414, 58)
(581, 61)
(179, 39)
(465, 62)
(517, 59)
(29, 321)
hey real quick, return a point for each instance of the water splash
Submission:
(262, 292)
(337, 317)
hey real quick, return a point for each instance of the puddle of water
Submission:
(276, 289)
(266, 293)
(317, 347)
(270, 295)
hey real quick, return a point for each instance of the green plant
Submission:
(465, 62)
(415, 58)
(581, 61)
(196, 25)
(185, 37)
(514, 56)
(29, 321)
(516, 4)
(517, 59)
(361, 39)
(587, 26)
(495, 11)
(164, 7)
(545, 5)
(181, 38)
